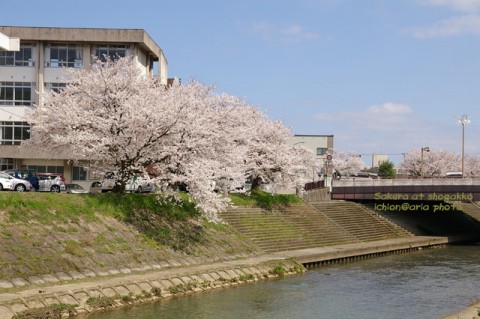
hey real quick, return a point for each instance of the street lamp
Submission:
(463, 120)
(426, 149)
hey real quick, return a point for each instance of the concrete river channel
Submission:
(429, 283)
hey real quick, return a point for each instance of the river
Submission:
(426, 284)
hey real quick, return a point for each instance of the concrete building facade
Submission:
(321, 146)
(9, 44)
(39, 65)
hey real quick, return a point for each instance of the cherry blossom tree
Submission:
(472, 166)
(265, 150)
(347, 163)
(117, 118)
(435, 162)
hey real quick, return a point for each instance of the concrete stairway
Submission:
(296, 227)
(361, 222)
(306, 226)
(471, 209)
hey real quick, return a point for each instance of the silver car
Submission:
(51, 182)
(13, 183)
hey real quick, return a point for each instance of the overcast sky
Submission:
(382, 76)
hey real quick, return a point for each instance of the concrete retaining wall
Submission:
(317, 195)
(118, 292)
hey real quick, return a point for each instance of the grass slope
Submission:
(65, 234)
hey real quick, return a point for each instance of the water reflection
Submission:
(424, 284)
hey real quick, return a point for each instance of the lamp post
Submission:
(463, 120)
(424, 149)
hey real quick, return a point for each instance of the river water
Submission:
(426, 284)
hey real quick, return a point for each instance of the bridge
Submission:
(434, 189)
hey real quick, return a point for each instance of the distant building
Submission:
(320, 145)
(378, 159)
(38, 66)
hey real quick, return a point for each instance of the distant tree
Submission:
(386, 170)
(435, 162)
(472, 166)
(347, 163)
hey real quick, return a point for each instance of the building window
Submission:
(13, 133)
(18, 58)
(64, 55)
(56, 87)
(79, 173)
(114, 51)
(16, 93)
(6, 163)
(46, 169)
(321, 151)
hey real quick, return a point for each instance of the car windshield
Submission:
(74, 186)
(4, 175)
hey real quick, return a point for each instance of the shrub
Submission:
(127, 298)
(177, 289)
(278, 270)
(157, 291)
(56, 311)
(101, 302)
(246, 277)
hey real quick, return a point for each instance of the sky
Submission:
(382, 76)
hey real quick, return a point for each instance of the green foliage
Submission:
(278, 270)
(246, 277)
(157, 291)
(175, 289)
(74, 248)
(54, 209)
(55, 311)
(298, 268)
(45, 208)
(128, 298)
(386, 170)
(264, 200)
(101, 302)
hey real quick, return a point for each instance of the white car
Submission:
(137, 184)
(140, 184)
(14, 184)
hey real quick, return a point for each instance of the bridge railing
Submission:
(359, 182)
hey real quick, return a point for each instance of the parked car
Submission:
(5, 181)
(137, 184)
(12, 183)
(51, 182)
(140, 184)
(25, 174)
(75, 189)
(96, 187)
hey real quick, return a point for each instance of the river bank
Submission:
(471, 312)
(99, 294)
(82, 254)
